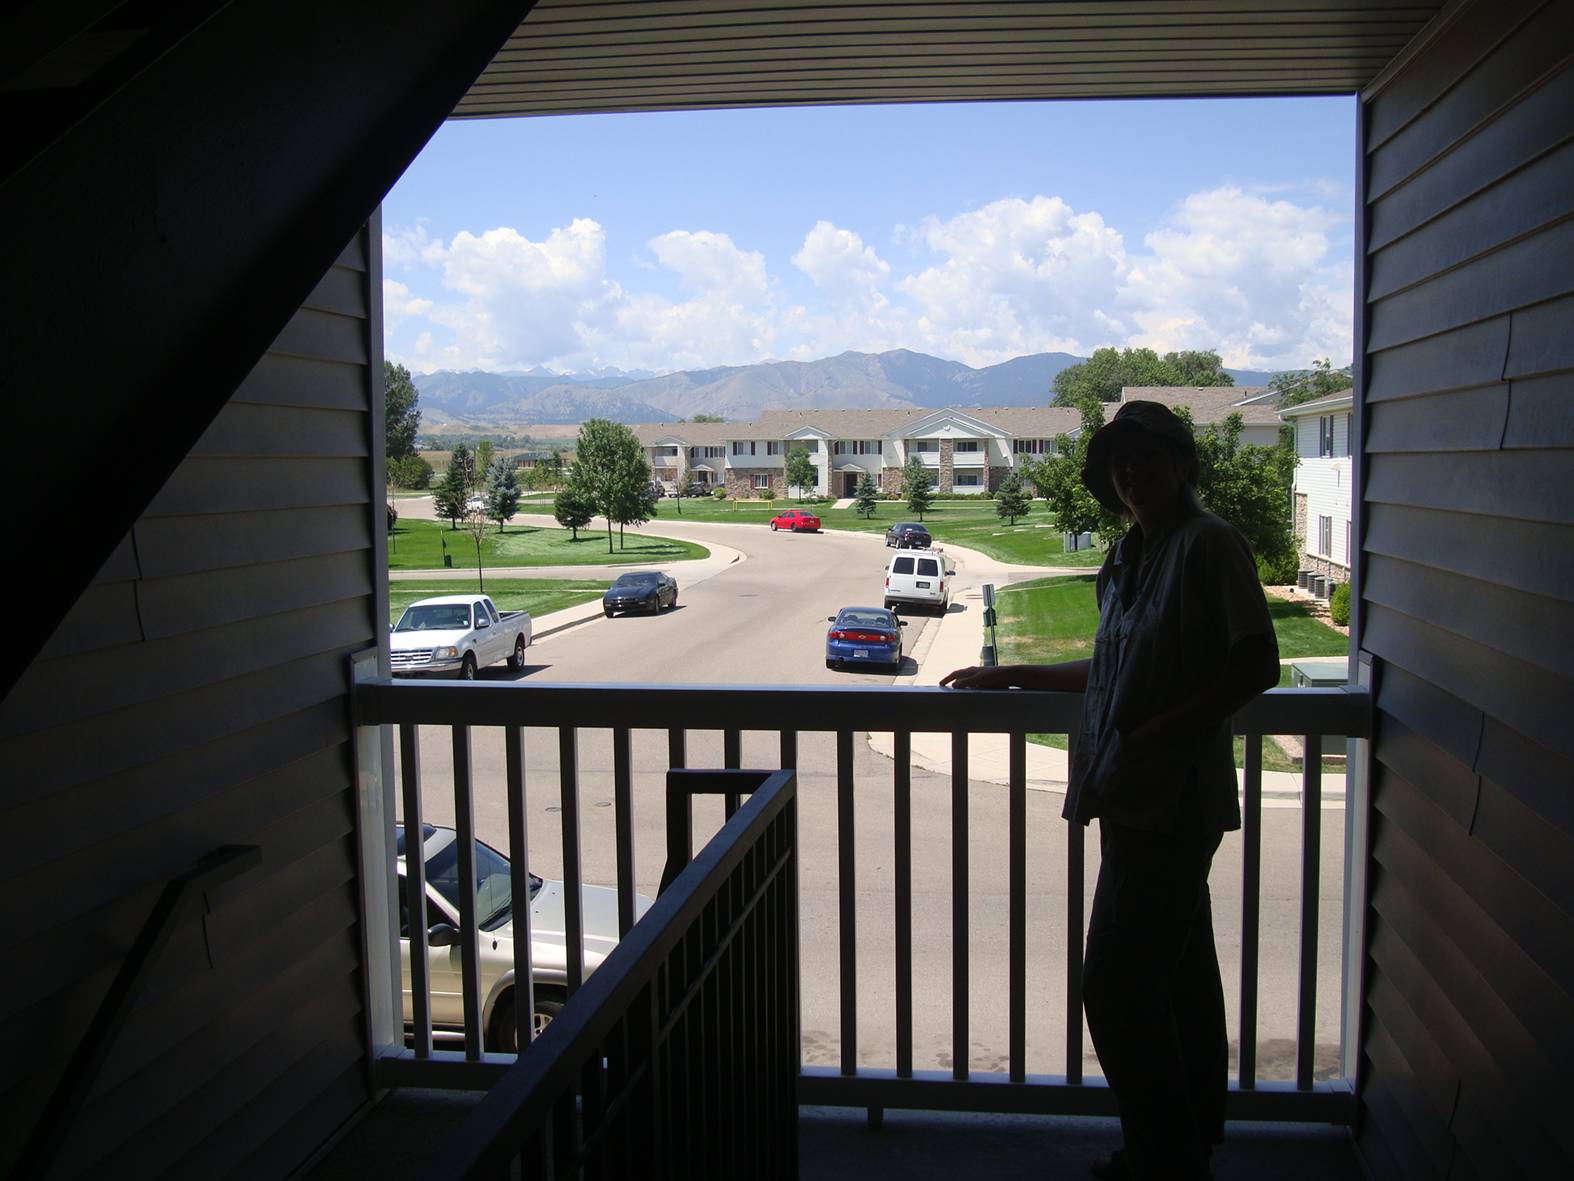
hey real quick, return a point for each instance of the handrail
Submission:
(92, 1051)
(916, 709)
(525, 1097)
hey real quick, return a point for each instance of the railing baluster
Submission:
(1251, 907)
(1075, 871)
(732, 759)
(1311, 856)
(415, 889)
(573, 873)
(1017, 918)
(847, 909)
(959, 949)
(464, 829)
(789, 749)
(903, 770)
(519, 883)
(623, 821)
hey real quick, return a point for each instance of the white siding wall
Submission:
(1326, 483)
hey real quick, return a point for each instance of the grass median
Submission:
(1032, 541)
(539, 596)
(1049, 620)
(420, 545)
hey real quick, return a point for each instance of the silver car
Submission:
(495, 918)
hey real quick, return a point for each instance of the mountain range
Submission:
(899, 379)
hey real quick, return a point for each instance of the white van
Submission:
(918, 577)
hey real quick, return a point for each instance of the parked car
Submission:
(476, 504)
(457, 635)
(657, 489)
(908, 535)
(697, 489)
(495, 920)
(864, 635)
(918, 578)
(799, 520)
(640, 590)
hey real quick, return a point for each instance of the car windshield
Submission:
(866, 618)
(635, 580)
(434, 617)
(493, 894)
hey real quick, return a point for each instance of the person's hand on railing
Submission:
(1070, 677)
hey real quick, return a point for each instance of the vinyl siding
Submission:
(192, 698)
(1467, 601)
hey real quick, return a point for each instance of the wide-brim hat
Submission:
(1153, 419)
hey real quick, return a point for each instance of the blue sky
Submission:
(975, 232)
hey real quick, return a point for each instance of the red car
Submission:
(797, 520)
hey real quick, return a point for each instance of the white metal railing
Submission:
(1311, 714)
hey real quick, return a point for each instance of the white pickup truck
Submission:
(457, 635)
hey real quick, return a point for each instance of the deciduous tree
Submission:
(401, 416)
(1322, 380)
(1059, 480)
(1107, 372)
(800, 470)
(611, 473)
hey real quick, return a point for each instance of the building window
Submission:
(968, 480)
(773, 448)
(926, 445)
(743, 447)
(856, 447)
(965, 445)
(1029, 446)
(1325, 436)
(715, 452)
(1325, 536)
(763, 480)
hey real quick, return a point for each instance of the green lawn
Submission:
(539, 596)
(1049, 620)
(972, 523)
(418, 545)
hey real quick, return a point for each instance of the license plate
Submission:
(860, 652)
(923, 586)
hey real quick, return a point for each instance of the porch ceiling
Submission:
(571, 57)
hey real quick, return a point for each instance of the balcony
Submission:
(937, 923)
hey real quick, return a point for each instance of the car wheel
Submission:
(607, 611)
(674, 603)
(548, 1005)
(773, 526)
(467, 668)
(830, 664)
(517, 660)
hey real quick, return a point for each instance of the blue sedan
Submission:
(864, 635)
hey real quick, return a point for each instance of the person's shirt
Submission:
(1171, 607)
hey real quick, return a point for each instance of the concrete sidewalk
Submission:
(955, 640)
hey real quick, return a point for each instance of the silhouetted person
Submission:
(1184, 640)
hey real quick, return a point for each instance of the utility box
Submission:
(1319, 674)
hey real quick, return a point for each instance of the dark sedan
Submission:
(907, 535)
(864, 635)
(640, 590)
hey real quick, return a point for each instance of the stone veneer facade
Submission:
(891, 479)
(1317, 564)
(996, 475)
(740, 481)
(947, 474)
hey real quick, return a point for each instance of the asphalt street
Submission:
(761, 620)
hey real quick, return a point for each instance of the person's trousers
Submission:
(1154, 1002)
